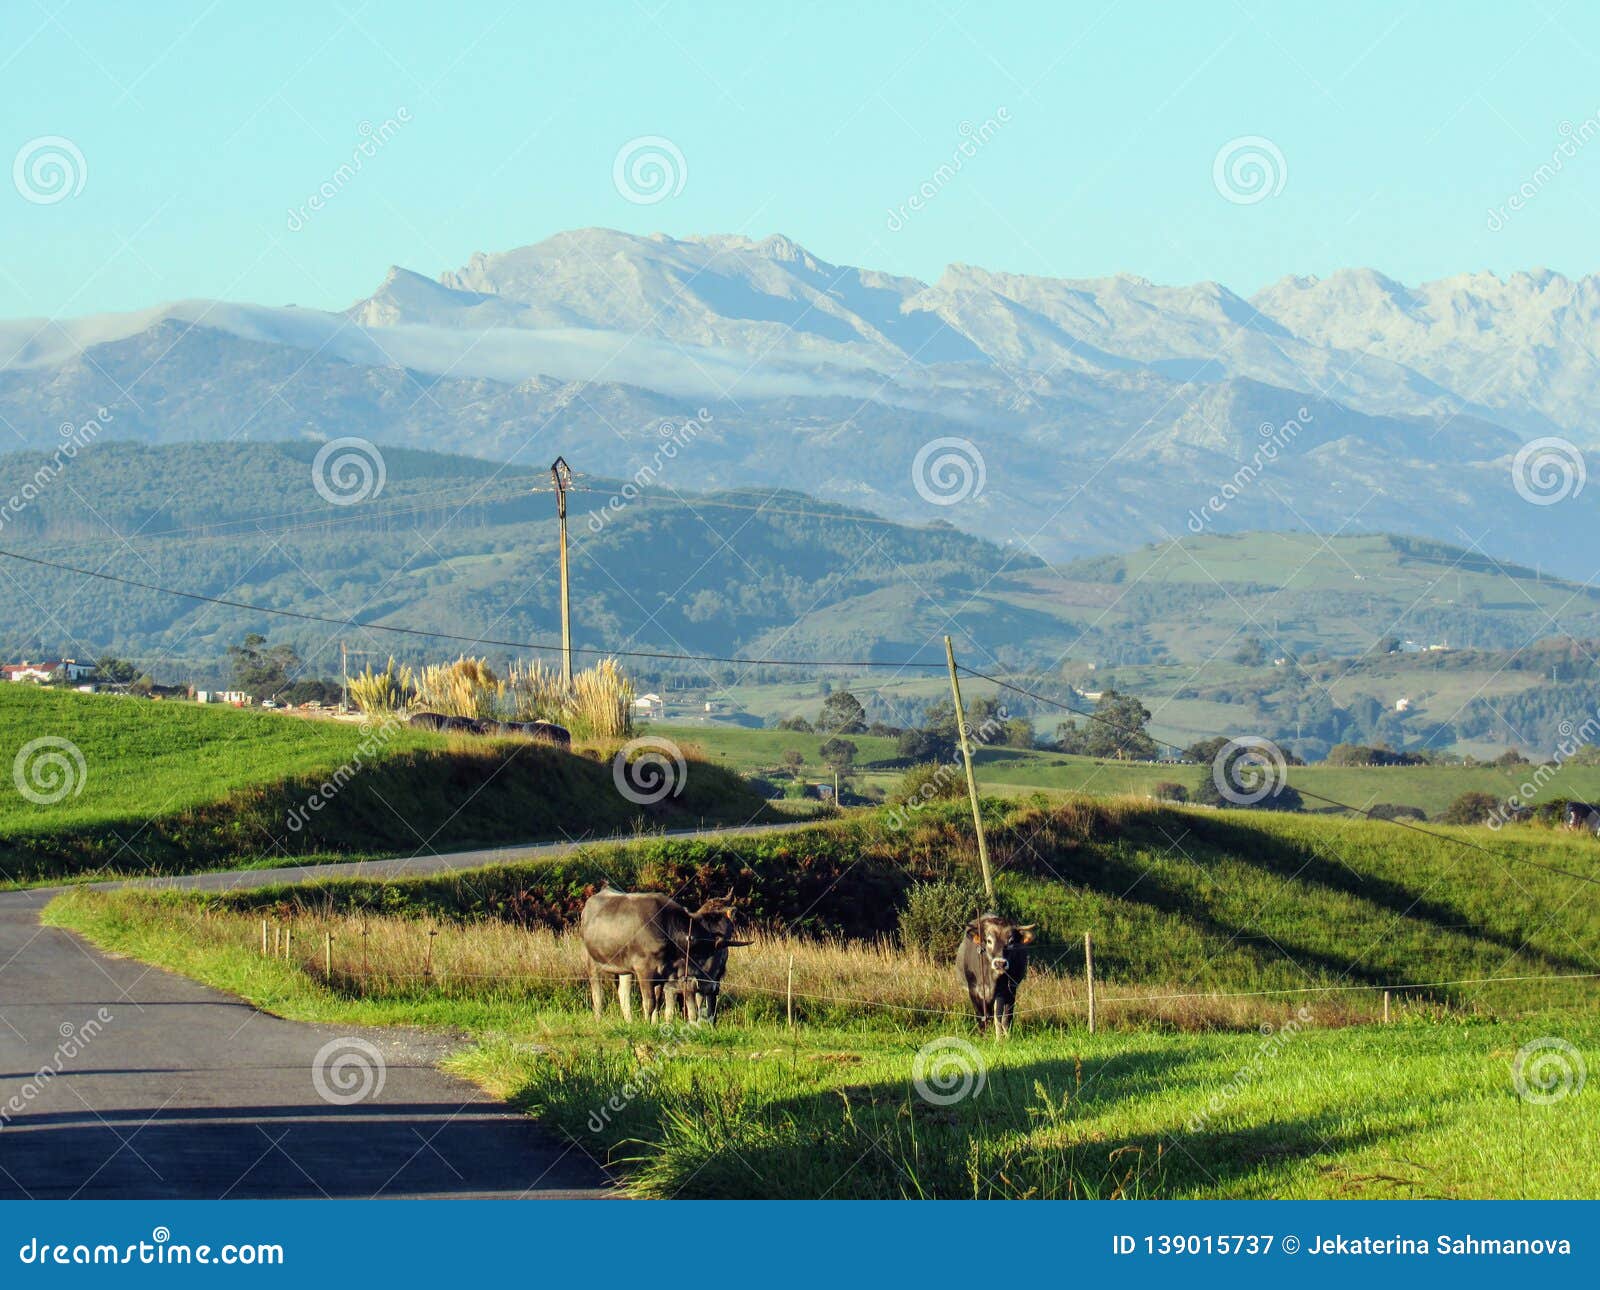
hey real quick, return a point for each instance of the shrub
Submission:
(1472, 807)
(1169, 790)
(1395, 811)
(935, 913)
(931, 782)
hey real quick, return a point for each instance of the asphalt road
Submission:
(118, 1080)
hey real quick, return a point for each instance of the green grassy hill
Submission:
(1240, 958)
(128, 785)
(1011, 771)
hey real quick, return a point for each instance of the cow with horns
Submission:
(993, 960)
(670, 953)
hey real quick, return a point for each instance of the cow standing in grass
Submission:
(1581, 815)
(993, 961)
(670, 953)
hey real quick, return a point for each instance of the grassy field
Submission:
(1429, 788)
(1240, 963)
(127, 785)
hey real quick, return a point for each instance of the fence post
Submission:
(789, 994)
(428, 966)
(1386, 1007)
(327, 956)
(277, 941)
(263, 938)
(1088, 974)
(288, 936)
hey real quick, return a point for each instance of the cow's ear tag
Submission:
(976, 939)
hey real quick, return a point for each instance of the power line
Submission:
(1304, 792)
(358, 625)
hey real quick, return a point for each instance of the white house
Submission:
(26, 671)
(648, 705)
(1402, 705)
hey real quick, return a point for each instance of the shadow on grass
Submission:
(726, 1128)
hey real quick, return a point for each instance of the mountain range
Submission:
(1065, 416)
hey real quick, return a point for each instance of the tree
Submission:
(793, 759)
(925, 746)
(259, 671)
(1019, 733)
(1472, 807)
(842, 714)
(839, 755)
(1205, 751)
(1246, 775)
(116, 671)
(798, 724)
(1118, 730)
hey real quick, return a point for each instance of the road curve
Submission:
(118, 1080)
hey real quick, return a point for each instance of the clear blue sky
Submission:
(201, 125)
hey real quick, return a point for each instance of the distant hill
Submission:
(464, 546)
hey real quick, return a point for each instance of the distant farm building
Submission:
(70, 668)
(648, 705)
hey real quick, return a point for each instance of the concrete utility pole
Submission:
(561, 473)
(972, 779)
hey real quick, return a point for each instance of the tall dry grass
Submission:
(598, 706)
(834, 982)
(385, 693)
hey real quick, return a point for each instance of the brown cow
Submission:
(669, 952)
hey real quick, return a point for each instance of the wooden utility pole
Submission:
(972, 779)
(1088, 974)
(561, 473)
